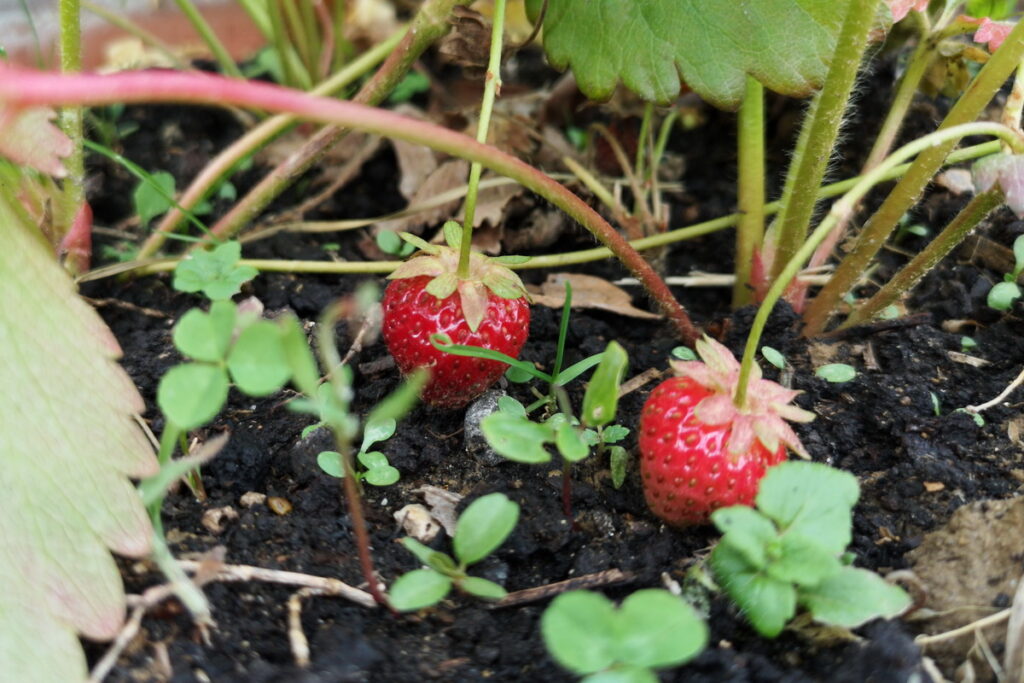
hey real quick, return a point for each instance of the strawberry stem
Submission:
(840, 210)
(492, 84)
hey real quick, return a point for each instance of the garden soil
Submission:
(896, 426)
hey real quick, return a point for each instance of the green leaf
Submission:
(295, 346)
(483, 526)
(580, 632)
(389, 242)
(411, 84)
(852, 597)
(215, 273)
(422, 552)
(517, 375)
(774, 357)
(767, 602)
(747, 531)
(1018, 255)
(377, 430)
(372, 459)
(418, 589)
(601, 399)
(206, 336)
(507, 404)
(384, 475)
(836, 372)
(812, 500)
(192, 394)
(993, 9)
(330, 462)
(257, 361)
(802, 561)
(442, 342)
(614, 433)
(619, 459)
(452, 234)
(153, 196)
(69, 444)
(517, 438)
(1002, 295)
(481, 588)
(657, 629)
(570, 443)
(576, 369)
(684, 353)
(631, 674)
(649, 44)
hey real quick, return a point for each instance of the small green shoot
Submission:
(652, 629)
(215, 273)
(936, 404)
(684, 353)
(411, 85)
(389, 242)
(836, 373)
(376, 469)
(481, 528)
(1003, 294)
(967, 344)
(153, 196)
(789, 552)
(774, 357)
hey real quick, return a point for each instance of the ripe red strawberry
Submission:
(699, 452)
(487, 308)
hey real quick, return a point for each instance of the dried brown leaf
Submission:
(448, 176)
(588, 291)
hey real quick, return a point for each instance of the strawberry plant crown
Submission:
(765, 411)
(441, 263)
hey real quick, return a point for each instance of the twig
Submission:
(648, 375)
(998, 399)
(128, 632)
(240, 572)
(117, 303)
(991, 620)
(609, 577)
(296, 636)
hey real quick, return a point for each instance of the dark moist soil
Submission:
(894, 426)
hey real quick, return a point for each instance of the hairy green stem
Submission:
(430, 24)
(750, 230)
(209, 36)
(220, 166)
(969, 217)
(72, 199)
(808, 167)
(905, 91)
(843, 207)
(492, 84)
(153, 266)
(909, 189)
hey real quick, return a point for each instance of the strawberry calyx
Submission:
(765, 412)
(441, 263)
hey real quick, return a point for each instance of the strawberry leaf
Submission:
(852, 597)
(69, 446)
(767, 602)
(791, 494)
(652, 46)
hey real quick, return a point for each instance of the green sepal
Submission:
(443, 286)
(452, 234)
(419, 243)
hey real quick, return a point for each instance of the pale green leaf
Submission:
(649, 44)
(192, 394)
(852, 597)
(258, 362)
(658, 629)
(768, 603)
(69, 444)
(580, 632)
(481, 588)
(483, 526)
(418, 589)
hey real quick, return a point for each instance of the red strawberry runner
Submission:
(699, 451)
(486, 308)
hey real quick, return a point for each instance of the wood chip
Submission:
(934, 486)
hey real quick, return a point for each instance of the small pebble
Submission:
(215, 519)
(280, 506)
(252, 498)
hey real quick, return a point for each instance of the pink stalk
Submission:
(30, 88)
